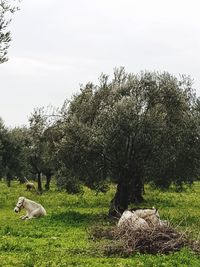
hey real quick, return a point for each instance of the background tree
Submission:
(3, 133)
(20, 138)
(13, 161)
(7, 8)
(49, 154)
(133, 129)
(42, 145)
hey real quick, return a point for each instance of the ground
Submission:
(61, 238)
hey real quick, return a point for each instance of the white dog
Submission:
(141, 218)
(130, 218)
(33, 209)
(151, 216)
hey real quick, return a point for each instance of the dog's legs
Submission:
(30, 217)
(34, 214)
(24, 216)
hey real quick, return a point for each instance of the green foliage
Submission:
(61, 238)
(13, 153)
(42, 156)
(131, 130)
(3, 133)
(7, 7)
(71, 184)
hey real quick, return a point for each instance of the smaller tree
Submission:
(13, 153)
(6, 8)
(49, 154)
(42, 145)
(3, 135)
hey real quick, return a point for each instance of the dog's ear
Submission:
(156, 210)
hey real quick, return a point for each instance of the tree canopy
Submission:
(129, 130)
(7, 8)
(132, 129)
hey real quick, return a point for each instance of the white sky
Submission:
(59, 44)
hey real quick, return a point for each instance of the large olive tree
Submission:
(132, 129)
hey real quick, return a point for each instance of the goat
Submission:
(29, 185)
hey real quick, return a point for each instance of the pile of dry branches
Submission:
(158, 239)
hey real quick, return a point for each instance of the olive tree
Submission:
(13, 153)
(132, 129)
(7, 8)
(42, 146)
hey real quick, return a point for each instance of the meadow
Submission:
(62, 237)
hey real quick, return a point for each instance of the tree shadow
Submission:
(74, 218)
(158, 203)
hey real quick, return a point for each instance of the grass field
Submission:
(61, 238)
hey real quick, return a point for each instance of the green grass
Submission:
(61, 238)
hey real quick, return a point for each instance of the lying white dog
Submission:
(130, 218)
(33, 209)
(151, 216)
(141, 218)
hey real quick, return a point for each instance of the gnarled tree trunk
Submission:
(8, 179)
(126, 193)
(120, 201)
(48, 180)
(39, 180)
(136, 191)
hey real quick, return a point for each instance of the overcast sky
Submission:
(59, 44)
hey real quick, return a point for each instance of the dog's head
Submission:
(19, 204)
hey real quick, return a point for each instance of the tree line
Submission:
(128, 130)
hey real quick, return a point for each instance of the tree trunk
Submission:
(8, 179)
(47, 185)
(120, 201)
(136, 191)
(39, 181)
